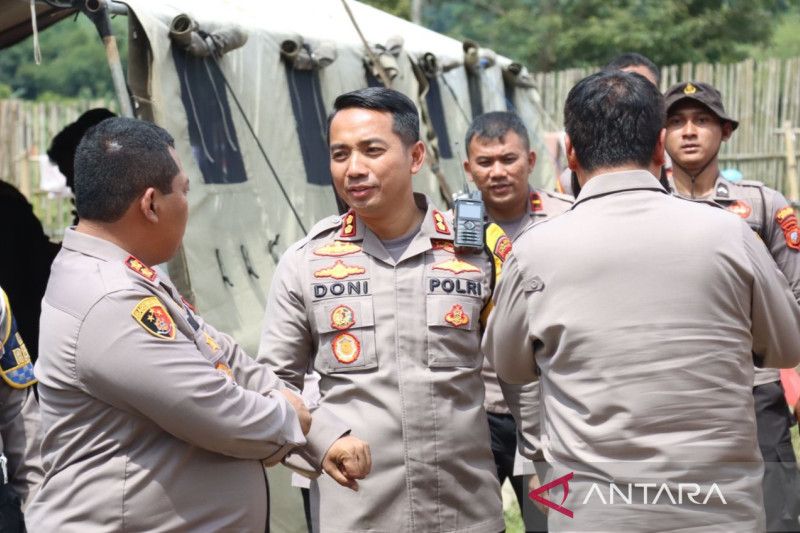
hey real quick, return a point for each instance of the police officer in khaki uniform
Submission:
(20, 435)
(153, 420)
(697, 124)
(645, 385)
(499, 160)
(381, 304)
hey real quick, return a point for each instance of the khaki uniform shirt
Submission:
(20, 427)
(542, 205)
(773, 219)
(643, 326)
(397, 347)
(153, 420)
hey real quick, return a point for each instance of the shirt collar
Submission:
(615, 182)
(93, 246)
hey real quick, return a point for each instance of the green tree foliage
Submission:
(73, 62)
(559, 34)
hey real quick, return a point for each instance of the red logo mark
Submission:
(535, 494)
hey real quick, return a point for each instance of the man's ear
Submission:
(417, 156)
(531, 159)
(727, 130)
(147, 205)
(572, 157)
(658, 152)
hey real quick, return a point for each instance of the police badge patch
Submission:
(153, 317)
(457, 316)
(342, 317)
(741, 208)
(346, 348)
(787, 220)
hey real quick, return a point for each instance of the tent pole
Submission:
(97, 11)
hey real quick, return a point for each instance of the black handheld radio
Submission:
(468, 220)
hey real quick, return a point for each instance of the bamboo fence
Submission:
(27, 129)
(762, 95)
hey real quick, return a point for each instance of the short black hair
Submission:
(405, 118)
(633, 59)
(614, 118)
(63, 146)
(116, 161)
(494, 125)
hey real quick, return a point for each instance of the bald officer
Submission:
(500, 161)
(153, 420)
(697, 125)
(382, 305)
(20, 431)
(641, 311)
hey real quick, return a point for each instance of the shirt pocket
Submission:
(453, 331)
(346, 333)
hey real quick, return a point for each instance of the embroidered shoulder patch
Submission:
(536, 202)
(439, 223)
(787, 220)
(741, 208)
(348, 225)
(140, 268)
(502, 248)
(152, 315)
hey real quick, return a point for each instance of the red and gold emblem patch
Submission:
(339, 271)
(447, 246)
(502, 248)
(787, 220)
(140, 268)
(346, 348)
(342, 317)
(337, 249)
(349, 225)
(456, 266)
(225, 369)
(741, 208)
(153, 317)
(536, 202)
(439, 223)
(457, 316)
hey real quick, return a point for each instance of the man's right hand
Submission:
(300, 408)
(347, 460)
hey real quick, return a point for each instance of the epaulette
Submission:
(326, 224)
(750, 183)
(560, 196)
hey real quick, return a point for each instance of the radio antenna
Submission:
(464, 172)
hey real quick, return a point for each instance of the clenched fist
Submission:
(347, 460)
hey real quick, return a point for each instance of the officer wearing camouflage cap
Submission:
(697, 124)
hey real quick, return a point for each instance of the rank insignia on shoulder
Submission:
(225, 369)
(456, 266)
(337, 249)
(447, 246)
(342, 317)
(211, 343)
(346, 348)
(348, 225)
(536, 202)
(439, 223)
(153, 316)
(741, 208)
(140, 268)
(502, 248)
(339, 270)
(188, 305)
(787, 220)
(457, 316)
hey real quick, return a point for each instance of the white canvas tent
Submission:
(242, 119)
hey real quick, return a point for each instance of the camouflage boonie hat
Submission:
(700, 92)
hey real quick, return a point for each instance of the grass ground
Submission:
(514, 518)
